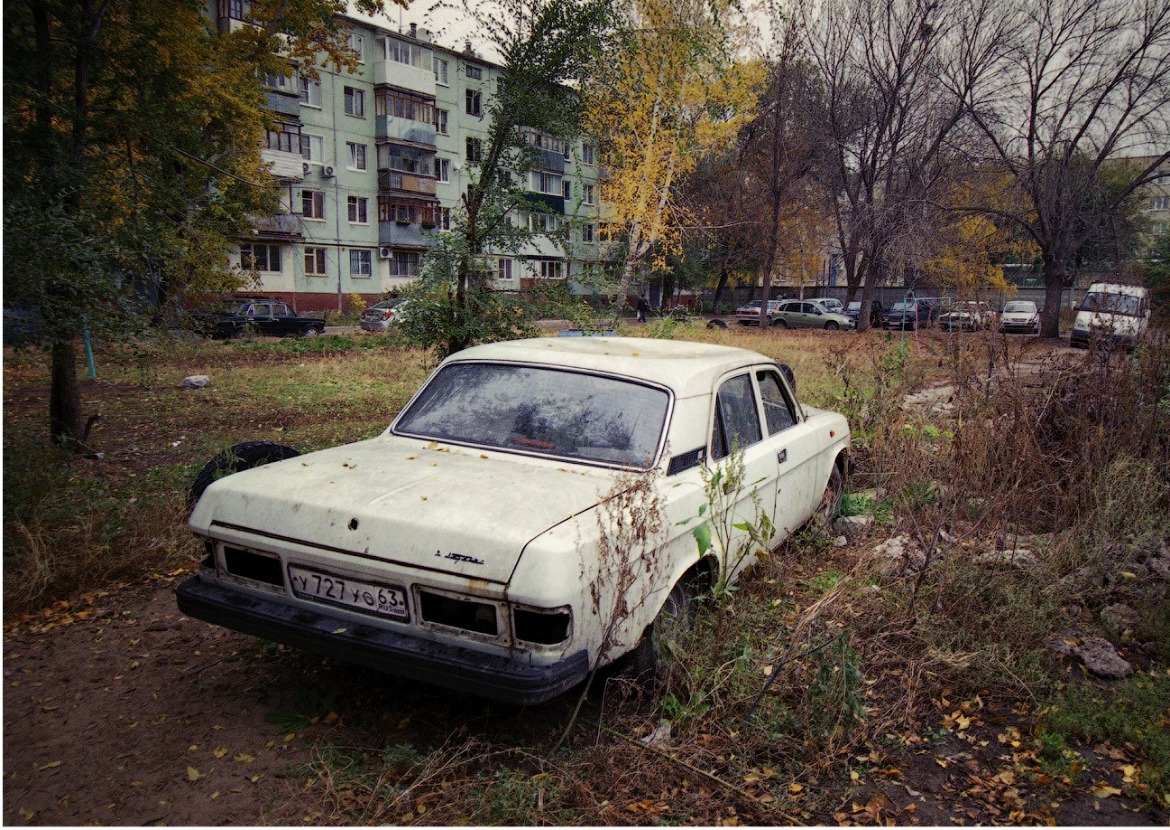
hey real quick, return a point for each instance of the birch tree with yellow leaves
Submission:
(667, 91)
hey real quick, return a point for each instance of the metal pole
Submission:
(89, 354)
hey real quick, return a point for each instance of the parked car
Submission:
(805, 314)
(1021, 317)
(909, 314)
(829, 304)
(969, 315)
(477, 543)
(1112, 313)
(270, 317)
(876, 313)
(748, 314)
(382, 315)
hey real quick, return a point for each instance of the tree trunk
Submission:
(64, 395)
(1054, 284)
(720, 287)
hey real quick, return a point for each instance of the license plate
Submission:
(381, 600)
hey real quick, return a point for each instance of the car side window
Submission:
(281, 310)
(778, 412)
(737, 421)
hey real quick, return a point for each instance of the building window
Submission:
(357, 43)
(355, 102)
(314, 261)
(543, 223)
(405, 263)
(587, 153)
(587, 233)
(313, 204)
(567, 189)
(359, 209)
(284, 137)
(361, 263)
(474, 100)
(260, 258)
(310, 91)
(445, 219)
(357, 155)
(312, 148)
(443, 169)
(505, 269)
(548, 183)
(588, 194)
(475, 73)
(551, 269)
(404, 105)
(440, 67)
(282, 83)
(474, 150)
(405, 53)
(1160, 203)
(441, 121)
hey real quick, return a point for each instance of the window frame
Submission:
(361, 256)
(355, 101)
(357, 149)
(320, 257)
(313, 204)
(358, 210)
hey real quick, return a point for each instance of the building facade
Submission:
(372, 164)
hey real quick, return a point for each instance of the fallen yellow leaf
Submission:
(1103, 790)
(244, 758)
(50, 765)
(193, 774)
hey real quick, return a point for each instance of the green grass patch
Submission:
(1133, 713)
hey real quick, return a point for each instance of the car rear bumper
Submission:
(320, 632)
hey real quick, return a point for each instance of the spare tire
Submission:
(243, 456)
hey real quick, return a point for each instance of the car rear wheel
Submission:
(652, 657)
(780, 323)
(716, 324)
(240, 457)
(831, 326)
(311, 331)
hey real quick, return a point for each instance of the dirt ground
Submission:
(124, 712)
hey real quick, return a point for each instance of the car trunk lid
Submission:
(430, 506)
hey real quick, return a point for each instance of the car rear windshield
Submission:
(1019, 307)
(539, 409)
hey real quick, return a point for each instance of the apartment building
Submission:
(373, 163)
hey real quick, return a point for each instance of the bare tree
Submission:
(1084, 84)
(896, 75)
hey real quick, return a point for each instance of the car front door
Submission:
(736, 428)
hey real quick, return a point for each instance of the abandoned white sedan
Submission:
(524, 520)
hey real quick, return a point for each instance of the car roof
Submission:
(687, 368)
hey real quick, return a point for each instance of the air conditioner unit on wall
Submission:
(305, 167)
(327, 172)
(384, 252)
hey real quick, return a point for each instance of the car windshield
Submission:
(235, 307)
(903, 306)
(539, 409)
(1019, 307)
(1112, 304)
(855, 306)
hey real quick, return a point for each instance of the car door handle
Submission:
(782, 456)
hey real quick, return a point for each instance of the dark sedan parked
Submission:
(909, 314)
(269, 317)
(876, 316)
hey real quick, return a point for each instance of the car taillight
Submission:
(387, 314)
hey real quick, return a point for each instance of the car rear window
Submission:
(519, 408)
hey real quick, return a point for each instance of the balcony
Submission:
(284, 227)
(284, 165)
(408, 182)
(550, 160)
(406, 235)
(545, 203)
(284, 104)
(405, 130)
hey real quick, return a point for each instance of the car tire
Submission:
(832, 497)
(832, 326)
(238, 333)
(716, 324)
(650, 660)
(311, 331)
(779, 324)
(240, 457)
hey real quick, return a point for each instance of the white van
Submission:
(1112, 313)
